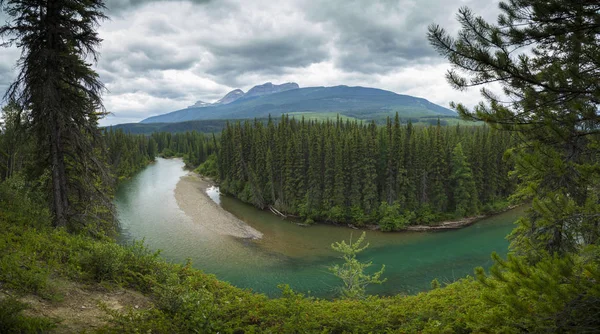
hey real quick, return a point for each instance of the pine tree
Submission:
(337, 171)
(552, 101)
(352, 271)
(546, 57)
(59, 88)
(13, 144)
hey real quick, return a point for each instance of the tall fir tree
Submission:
(61, 91)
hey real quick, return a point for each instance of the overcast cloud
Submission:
(159, 56)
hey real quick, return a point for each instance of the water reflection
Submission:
(214, 193)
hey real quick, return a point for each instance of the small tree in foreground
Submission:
(352, 271)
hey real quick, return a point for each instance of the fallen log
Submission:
(275, 211)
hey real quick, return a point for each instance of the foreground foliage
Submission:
(352, 272)
(545, 55)
(33, 255)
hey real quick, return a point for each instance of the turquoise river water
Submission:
(295, 255)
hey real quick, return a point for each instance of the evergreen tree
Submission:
(465, 196)
(352, 271)
(552, 102)
(59, 88)
(152, 149)
(546, 57)
(13, 143)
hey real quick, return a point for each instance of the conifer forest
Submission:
(360, 173)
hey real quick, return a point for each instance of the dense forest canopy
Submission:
(361, 173)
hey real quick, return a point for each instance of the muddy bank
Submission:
(191, 197)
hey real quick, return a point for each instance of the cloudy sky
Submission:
(160, 56)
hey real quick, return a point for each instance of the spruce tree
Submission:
(61, 91)
(551, 99)
(465, 196)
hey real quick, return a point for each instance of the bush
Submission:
(209, 167)
(426, 216)
(105, 262)
(391, 218)
(494, 207)
(22, 273)
(336, 214)
(22, 204)
(13, 321)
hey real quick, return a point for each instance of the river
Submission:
(291, 254)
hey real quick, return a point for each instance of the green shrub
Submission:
(105, 262)
(22, 204)
(209, 167)
(22, 273)
(13, 321)
(494, 207)
(391, 219)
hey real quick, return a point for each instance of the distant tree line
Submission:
(129, 153)
(359, 173)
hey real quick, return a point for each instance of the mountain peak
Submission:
(200, 104)
(270, 88)
(231, 96)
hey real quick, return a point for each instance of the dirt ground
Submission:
(77, 308)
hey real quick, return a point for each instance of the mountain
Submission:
(269, 88)
(358, 102)
(260, 90)
(231, 96)
(200, 104)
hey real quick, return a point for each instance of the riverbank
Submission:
(191, 197)
(438, 226)
(456, 224)
(447, 225)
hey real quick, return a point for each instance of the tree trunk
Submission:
(58, 182)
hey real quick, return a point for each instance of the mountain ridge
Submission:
(236, 94)
(359, 102)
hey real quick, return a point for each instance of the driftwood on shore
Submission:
(450, 225)
(276, 212)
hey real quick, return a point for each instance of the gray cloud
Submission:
(268, 57)
(380, 36)
(116, 6)
(162, 55)
(141, 56)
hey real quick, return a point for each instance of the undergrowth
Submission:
(33, 255)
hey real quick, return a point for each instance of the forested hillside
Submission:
(359, 173)
(215, 126)
(206, 126)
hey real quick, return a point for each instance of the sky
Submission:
(159, 56)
